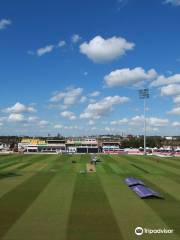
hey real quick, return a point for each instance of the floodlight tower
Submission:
(144, 94)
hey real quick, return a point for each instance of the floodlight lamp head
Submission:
(144, 93)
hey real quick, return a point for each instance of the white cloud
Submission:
(72, 127)
(103, 50)
(126, 76)
(1, 124)
(69, 115)
(91, 122)
(175, 110)
(176, 99)
(72, 96)
(19, 108)
(176, 124)
(123, 121)
(139, 120)
(102, 108)
(62, 43)
(43, 123)
(32, 119)
(75, 38)
(173, 2)
(110, 130)
(58, 96)
(47, 49)
(152, 129)
(170, 90)
(4, 23)
(151, 121)
(58, 126)
(69, 97)
(16, 117)
(94, 94)
(83, 99)
(157, 122)
(162, 80)
(44, 50)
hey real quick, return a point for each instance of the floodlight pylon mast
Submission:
(144, 94)
(144, 126)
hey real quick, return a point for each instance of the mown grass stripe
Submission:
(91, 216)
(108, 169)
(121, 165)
(9, 164)
(22, 163)
(131, 211)
(48, 164)
(176, 159)
(157, 168)
(18, 159)
(30, 162)
(14, 203)
(165, 161)
(168, 209)
(7, 159)
(47, 217)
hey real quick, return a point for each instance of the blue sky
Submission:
(75, 67)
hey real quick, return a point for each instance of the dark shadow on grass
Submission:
(9, 174)
(140, 168)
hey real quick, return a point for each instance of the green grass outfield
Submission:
(44, 197)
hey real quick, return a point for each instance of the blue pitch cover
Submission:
(145, 192)
(133, 181)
